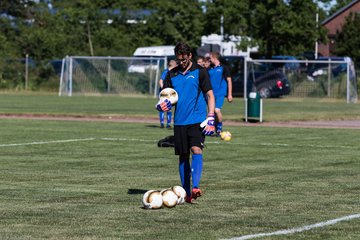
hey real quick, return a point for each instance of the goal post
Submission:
(299, 79)
(334, 79)
(85, 75)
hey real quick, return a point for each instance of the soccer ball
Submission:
(226, 136)
(180, 192)
(169, 198)
(152, 199)
(169, 93)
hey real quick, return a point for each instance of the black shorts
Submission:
(188, 136)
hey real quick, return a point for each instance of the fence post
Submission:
(108, 74)
(245, 88)
(26, 71)
(70, 77)
(62, 76)
(157, 77)
(348, 82)
(329, 78)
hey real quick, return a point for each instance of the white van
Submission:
(151, 57)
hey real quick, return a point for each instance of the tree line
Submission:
(118, 27)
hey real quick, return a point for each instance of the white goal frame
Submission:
(69, 65)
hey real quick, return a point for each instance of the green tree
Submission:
(348, 40)
(234, 15)
(283, 28)
(338, 5)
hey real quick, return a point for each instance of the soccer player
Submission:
(195, 94)
(171, 64)
(207, 63)
(201, 61)
(222, 86)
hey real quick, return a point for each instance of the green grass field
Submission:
(85, 180)
(286, 109)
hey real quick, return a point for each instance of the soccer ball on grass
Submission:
(152, 199)
(226, 136)
(180, 192)
(169, 198)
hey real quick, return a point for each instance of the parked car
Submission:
(318, 69)
(269, 83)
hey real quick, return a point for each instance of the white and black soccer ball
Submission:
(169, 198)
(170, 94)
(180, 192)
(152, 199)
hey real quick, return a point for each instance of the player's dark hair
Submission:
(200, 57)
(182, 48)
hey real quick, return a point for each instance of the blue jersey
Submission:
(218, 80)
(191, 87)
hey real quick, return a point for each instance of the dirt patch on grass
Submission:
(351, 124)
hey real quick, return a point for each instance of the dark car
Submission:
(269, 82)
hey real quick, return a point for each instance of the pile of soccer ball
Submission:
(170, 197)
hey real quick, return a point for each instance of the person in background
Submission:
(201, 61)
(194, 117)
(171, 65)
(207, 63)
(222, 86)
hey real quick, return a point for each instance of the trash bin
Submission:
(254, 107)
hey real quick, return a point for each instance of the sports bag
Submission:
(168, 141)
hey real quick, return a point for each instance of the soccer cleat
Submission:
(195, 193)
(189, 199)
(161, 125)
(168, 126)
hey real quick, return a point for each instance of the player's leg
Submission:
(185, 173)
(197, 143)
(196, 171)
(219, 118)
(183, 150)
(219, 102)
(161, 117)
(168, 119)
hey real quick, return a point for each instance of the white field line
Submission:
(129, 139)
(46, 142)
(300, 229)
(152, 140)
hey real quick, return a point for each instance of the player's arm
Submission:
(229, 84)
(167, 81)
(161, 83)
(165, 105)
(205, 86)
(211, 101)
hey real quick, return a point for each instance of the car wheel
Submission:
(264, 92)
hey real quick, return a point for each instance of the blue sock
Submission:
(196, 169)
(161, 116)
(185, 173)
(168, 117)
(219, 127)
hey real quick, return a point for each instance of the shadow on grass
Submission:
(136, 191)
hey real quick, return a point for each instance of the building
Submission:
(334, 23)
(216, 43)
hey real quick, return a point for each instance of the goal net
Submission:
(84, 75)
